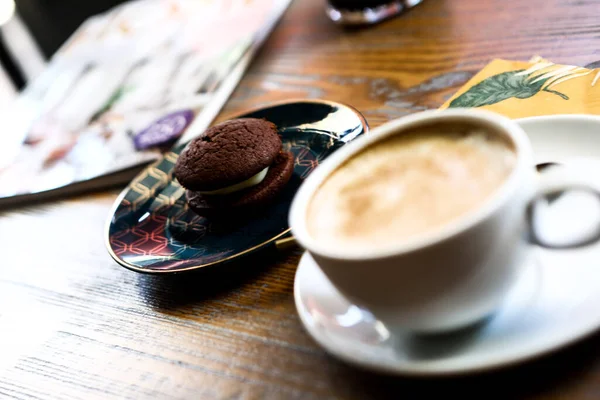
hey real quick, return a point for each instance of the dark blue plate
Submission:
(152, 230)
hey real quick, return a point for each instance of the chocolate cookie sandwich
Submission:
(234, 166)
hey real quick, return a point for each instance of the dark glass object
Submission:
(358, 4)
(366, 12)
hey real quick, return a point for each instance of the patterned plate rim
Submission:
(126, 190)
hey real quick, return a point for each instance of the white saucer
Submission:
(560, 138)
(554, 303)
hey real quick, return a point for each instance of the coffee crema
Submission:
(409, 185)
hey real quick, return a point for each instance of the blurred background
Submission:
(32, 31)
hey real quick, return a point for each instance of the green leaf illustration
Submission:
(115, 97)
(501, 87)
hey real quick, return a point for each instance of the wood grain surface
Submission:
(75, 325)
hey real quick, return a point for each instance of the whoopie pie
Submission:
(234, 166)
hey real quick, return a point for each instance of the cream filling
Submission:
(253, 181)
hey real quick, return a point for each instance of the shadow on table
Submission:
(545, 377)
(558, 376)
(210, 284)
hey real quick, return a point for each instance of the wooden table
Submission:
(75, 325)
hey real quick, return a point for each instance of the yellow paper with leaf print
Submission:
(524, 89)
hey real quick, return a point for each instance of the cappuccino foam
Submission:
(408, 185)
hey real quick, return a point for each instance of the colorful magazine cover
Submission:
(124, 88)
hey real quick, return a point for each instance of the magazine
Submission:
(124, 88)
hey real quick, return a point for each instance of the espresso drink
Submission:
(409, 185)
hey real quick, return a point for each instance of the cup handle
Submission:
(557, 181)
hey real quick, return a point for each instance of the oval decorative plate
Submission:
(152, 230)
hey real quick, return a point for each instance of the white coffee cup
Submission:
(455, 275)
